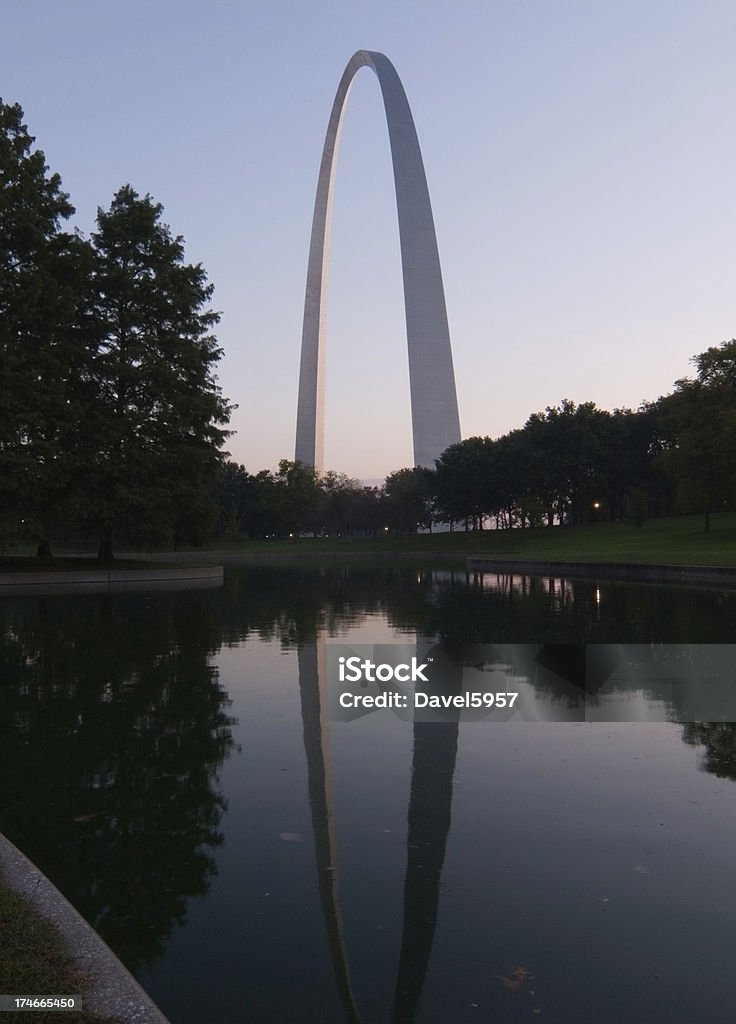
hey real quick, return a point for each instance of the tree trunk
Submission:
(104, 553)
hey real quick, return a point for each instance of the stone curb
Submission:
(191, 572)
(113, 991)
(110, 581)
(643, 571)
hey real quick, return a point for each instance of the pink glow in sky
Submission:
(580, 158)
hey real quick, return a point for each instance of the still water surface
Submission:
(168, 761)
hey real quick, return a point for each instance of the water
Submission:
(168, 761)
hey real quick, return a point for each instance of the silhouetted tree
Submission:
(701, 418)
(154, 415)
(408, 499)
(465, 481)
(42, 274)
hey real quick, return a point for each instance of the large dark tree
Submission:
(236, 496)
(300, 502)
(42, 269)
(466, 481)
(570, 444)
(342, 495)
(408, 502)
(700, 417)
(155, 416)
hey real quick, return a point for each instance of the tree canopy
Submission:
(700, 420)
(111, 419)
(42, 273)
(155, 415)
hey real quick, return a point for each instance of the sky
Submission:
(580, 156)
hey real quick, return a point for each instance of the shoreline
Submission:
(178, 568)
(111, 991)
(109, 580)
(641, 572)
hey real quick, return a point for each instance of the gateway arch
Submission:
(434, 414)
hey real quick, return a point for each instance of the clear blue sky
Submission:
(581, 160)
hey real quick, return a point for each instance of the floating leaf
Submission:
(519, 975)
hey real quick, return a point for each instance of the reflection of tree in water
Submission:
(111, 730)
(472, 608)
(719, 742)
(293, 602)
(467, 612)
(112, 721)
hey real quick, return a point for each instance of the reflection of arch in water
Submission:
(429, 814)
(430, 804)
(434, 414)
(316, 746)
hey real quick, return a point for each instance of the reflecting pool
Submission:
(173, 763)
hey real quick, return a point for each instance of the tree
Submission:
(568, 445)
(408, 499)
(633, 486)
(154, 415)
(701, 418)
(236, 497)
(510, 489)
(340, 493)
(42, 271)
(365, 511)
(466, 480)
(301, 501)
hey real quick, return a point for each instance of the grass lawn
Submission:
(679, 539)
(34, 961)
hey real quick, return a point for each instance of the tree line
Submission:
(111, 419)
(569, 465)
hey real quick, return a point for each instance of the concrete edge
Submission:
(646, 572)
(157, 575)
(112, 991)
(116, 581)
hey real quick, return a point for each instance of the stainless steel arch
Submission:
(435, 420)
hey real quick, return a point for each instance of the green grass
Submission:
(679, 539)
(34, 961)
